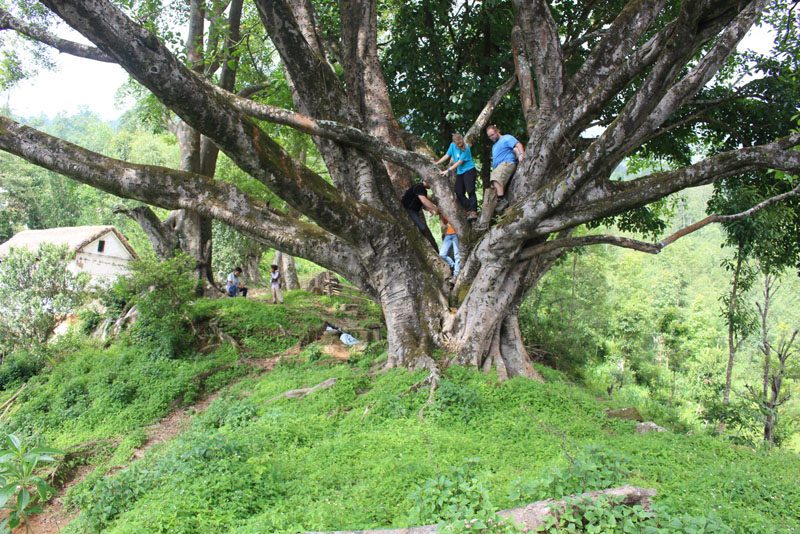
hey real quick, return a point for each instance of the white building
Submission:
(101, 251)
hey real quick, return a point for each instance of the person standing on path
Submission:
(460, 155)
(507, 152)
(275, 283)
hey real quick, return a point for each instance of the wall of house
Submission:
(111, 262)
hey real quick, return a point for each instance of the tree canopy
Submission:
(586, 86)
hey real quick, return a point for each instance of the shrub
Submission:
(37, 290)
(118, 296)
(163, 292)
(459, 500)
(18, 367)
(21, 489)
(609, 515)
(592, 469)
(90, 320)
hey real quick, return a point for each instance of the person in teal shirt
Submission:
(460, 156)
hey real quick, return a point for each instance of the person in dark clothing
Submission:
(415, 199)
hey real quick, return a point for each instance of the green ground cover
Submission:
(358, 455)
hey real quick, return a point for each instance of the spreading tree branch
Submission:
(644, 246)
(333, 130)
(681, 92)
(614, 48)
(474, 132)
(185, 92)
(612, 198)
(9, 22)
(161, 236)
(522, 67)
(540, 33)
(320, 91)
(173, 189)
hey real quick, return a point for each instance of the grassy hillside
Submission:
(372, 451)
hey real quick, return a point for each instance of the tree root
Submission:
(534, 515)
(10, 402)
(433, 381)
(304, 392)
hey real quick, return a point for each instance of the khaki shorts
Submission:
(503, 172)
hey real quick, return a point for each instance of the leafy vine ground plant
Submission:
(22, 490)
(459, 502)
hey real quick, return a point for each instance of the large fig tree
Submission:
(635, 72)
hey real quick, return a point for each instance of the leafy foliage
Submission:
(459, 500)
(163, 292)
(37, 290)
(22, 489)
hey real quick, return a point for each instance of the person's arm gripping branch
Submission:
(442, 159)
(456, 164)
(449, 156)
(428, 205)
(519, 151)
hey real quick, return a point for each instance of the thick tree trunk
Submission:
(195, 236)
(485, 333)
(251, 265)
(769, 425)
(289, 272)
(285, 263)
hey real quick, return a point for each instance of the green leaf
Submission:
(15, 442)
(23, 499)
(6, 492)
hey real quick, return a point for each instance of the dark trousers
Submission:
(419, 220)
(233, 291)
(465, 187)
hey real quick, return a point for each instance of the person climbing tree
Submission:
(507, 152)
(415, 199)
(450, 242)
(460, 154)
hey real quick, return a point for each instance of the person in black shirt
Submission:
(415, 199)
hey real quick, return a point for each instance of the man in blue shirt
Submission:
(234, 286)
(507, 152)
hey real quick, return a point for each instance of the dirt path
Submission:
(54, 517)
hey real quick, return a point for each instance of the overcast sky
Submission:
(81, 83)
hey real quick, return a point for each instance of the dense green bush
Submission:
(36, 290)
(458, 501)
(17, 367)
(163, 291)
(96, 394)
(591, 469)
(22, 488)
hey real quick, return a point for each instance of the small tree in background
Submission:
(37, 290)
(163, 292)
